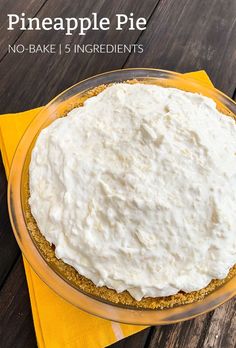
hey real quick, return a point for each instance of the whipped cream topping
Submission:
(137, 189)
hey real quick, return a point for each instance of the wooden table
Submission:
(181, 35)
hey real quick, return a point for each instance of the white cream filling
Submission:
(137, 190)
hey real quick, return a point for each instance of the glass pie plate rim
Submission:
(86, 302)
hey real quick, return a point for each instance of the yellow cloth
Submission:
(59, 324)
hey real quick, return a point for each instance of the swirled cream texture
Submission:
(137, 189)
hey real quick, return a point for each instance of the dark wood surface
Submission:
(181, 35)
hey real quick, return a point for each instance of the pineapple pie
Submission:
(136, 189)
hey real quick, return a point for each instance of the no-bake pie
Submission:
(132, 195)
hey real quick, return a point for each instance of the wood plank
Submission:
(29, 81)
(16, 325)
(9, 250)
(215, 329)
(222, 326)
(188, 35)
(137, 341)
(177, 335)
(29, 7)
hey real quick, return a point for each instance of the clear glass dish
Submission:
(16, 198)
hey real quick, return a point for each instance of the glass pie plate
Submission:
(58, 107)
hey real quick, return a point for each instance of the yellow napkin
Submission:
(59, 324)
